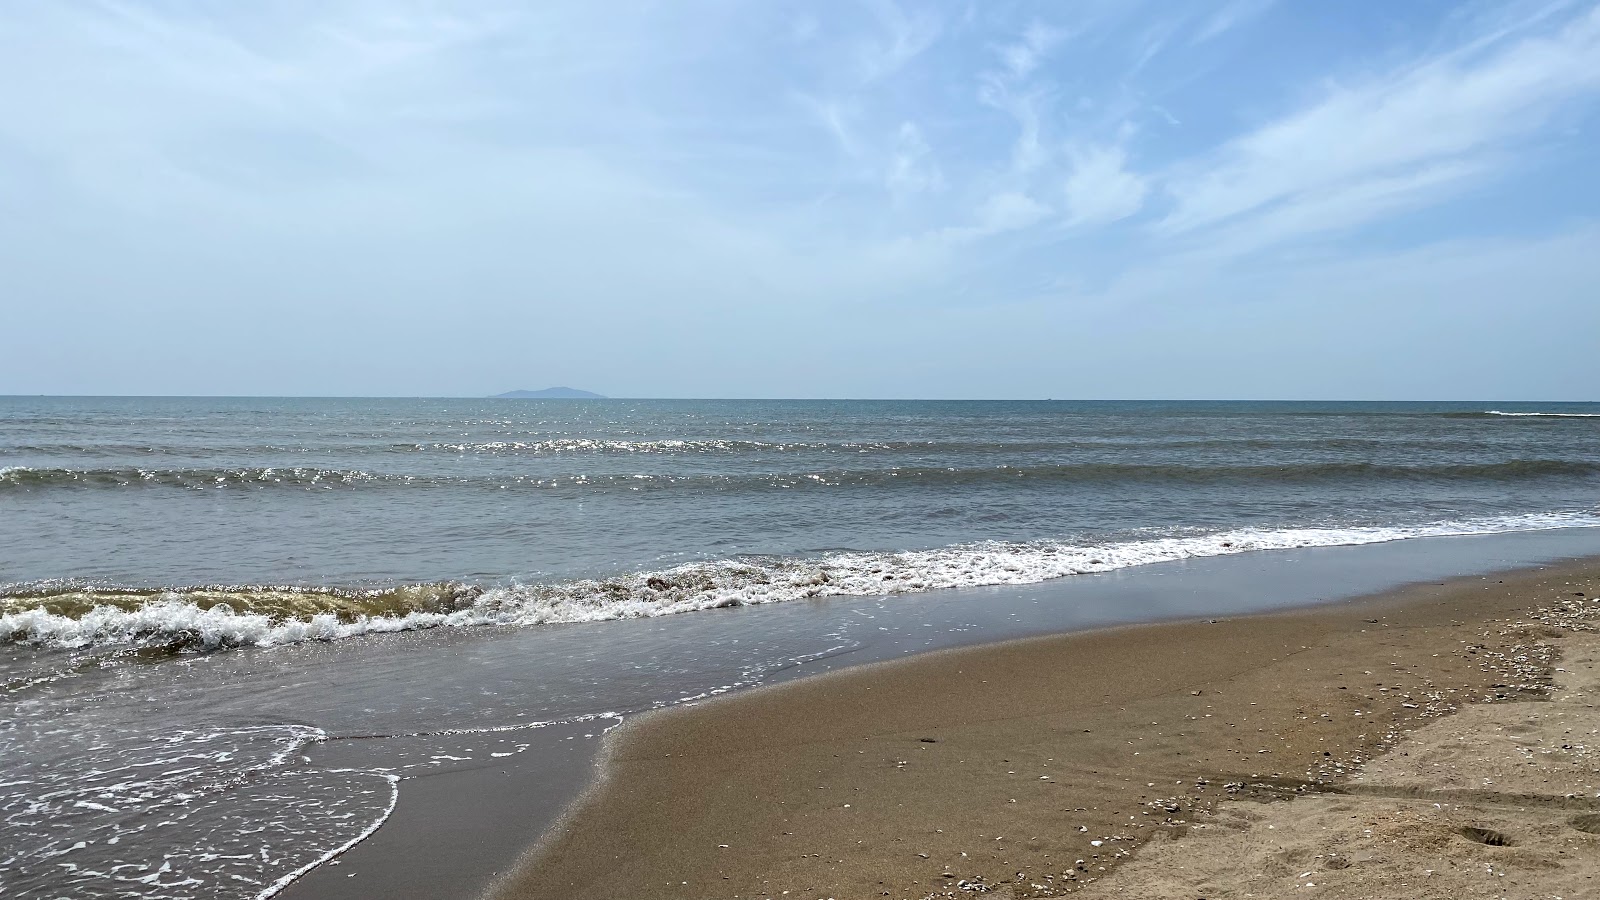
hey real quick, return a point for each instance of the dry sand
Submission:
(1036, 768)
(1499, 800)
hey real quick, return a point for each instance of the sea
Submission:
(235, 631)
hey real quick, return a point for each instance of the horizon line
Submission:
(785, 399)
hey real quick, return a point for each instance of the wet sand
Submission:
(1037, 767)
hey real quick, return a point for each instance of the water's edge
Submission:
(1255, 583)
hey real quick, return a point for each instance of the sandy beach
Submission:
(1139, 761)
(715, 451)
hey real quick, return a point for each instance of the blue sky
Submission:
(1237, 198)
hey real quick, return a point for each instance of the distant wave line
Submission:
(1542, 415)
(576, 447)
(305, 477)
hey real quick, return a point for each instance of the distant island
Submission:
(558, 393)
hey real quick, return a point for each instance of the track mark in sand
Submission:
(1588, 824)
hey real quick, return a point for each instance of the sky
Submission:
(707, 198)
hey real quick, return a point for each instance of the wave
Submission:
(581, 447)
(1543, 415)
(25, 477)
(280, 602)
(305, 477)
(144, 448)
(1497, 414)
(596, 445)
(1136, 444)
(211, 618)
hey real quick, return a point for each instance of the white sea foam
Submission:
(1543, 415)
(709, 585)
(226, 802)
(277, 887)
(589, 445)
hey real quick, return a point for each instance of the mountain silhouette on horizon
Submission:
(557, 393)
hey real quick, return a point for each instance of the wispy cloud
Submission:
(833, 117)
(1334, 208)
(998, 214)
(1023, 56)
(1009, 89)
(912, 169)
(902, 36)
(1233, 14)
(1441, 117)
(1101, 189)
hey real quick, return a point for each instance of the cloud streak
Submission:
(1445, 115)
(1232, 15)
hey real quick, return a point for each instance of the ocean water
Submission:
(201, 598)
(226, 522)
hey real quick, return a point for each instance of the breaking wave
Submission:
(216, 617)
(1543, 415)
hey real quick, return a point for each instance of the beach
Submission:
(1043, 766)
(714, 451)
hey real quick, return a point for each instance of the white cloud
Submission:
(1453, 108)
(1232, 14)
(833, 116)
(999, 213)
(1338, 208)
(903, 37)
(1025, 55)
(1100, 188)
(1009, 211)
(1011, 90)
(1027, 152)
(1154, 40)
(912, 168)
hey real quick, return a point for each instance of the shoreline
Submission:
(905, 777)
